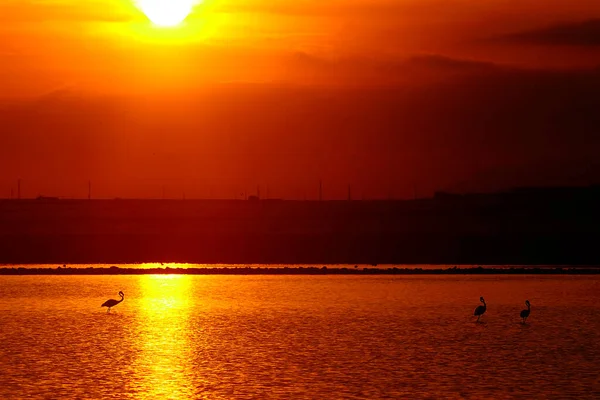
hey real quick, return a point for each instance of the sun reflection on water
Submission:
(161, 295)
(164, 365)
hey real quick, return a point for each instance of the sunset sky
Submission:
(386, 95)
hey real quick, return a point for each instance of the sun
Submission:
(166, 12)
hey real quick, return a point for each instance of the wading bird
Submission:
(525, 313)
(111, 303)
(480, 309)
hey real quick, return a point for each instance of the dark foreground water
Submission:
(283, 337)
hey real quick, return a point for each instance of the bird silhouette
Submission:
(525, 313)
(480, 309)
(111, 303)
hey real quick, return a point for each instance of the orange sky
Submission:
(49, 44)
(248, 89)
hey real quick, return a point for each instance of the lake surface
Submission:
(283, 337)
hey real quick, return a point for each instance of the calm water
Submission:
(282, 337)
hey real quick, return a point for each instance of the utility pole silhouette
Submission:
(320, 190)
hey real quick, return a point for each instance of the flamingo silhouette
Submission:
(480, 309)
(111, 303)
(525, 313)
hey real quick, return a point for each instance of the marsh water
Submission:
(283, 337)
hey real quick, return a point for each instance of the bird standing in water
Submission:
(111, 303)
(480, 309)
(525, 313)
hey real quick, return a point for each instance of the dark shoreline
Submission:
(529, 226)
(21, 271)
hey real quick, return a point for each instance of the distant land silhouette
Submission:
(529, 226)
(299, 271)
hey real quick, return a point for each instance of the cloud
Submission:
(362, 70)
(585, 33)
(444, 63)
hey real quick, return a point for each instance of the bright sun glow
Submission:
(166, 12)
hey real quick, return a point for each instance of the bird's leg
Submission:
(108, 310)
(479, 316)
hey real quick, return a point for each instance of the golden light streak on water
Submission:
(164, 361)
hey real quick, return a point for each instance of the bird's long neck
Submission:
(122, 298)
(484, 305)
(529, 306)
